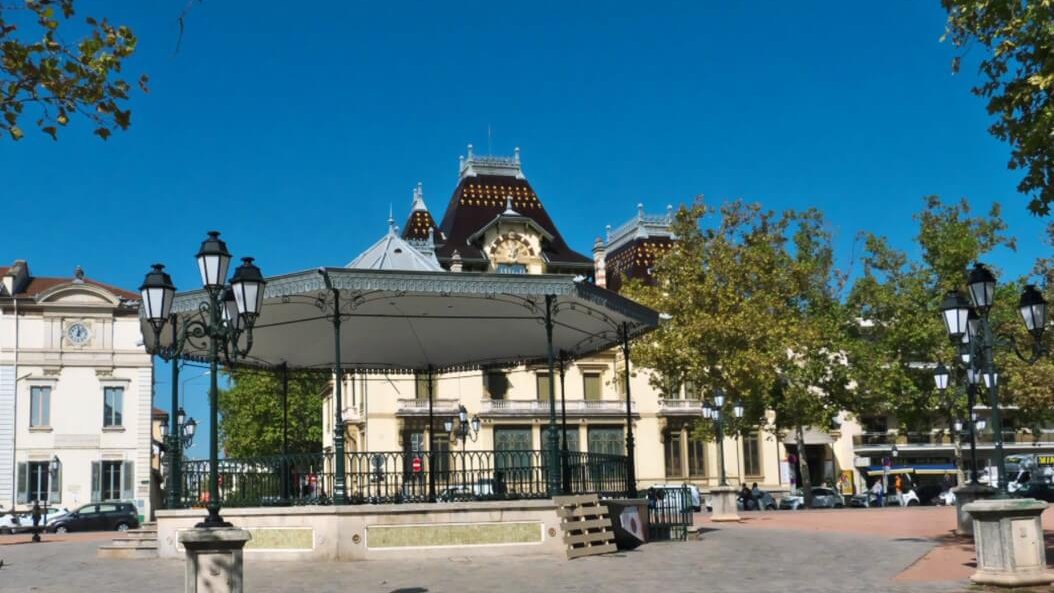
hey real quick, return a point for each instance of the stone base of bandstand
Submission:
(382, 531)
(723, 504)
(214, 559)
(964, 495)
(1008, 541)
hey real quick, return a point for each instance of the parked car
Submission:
(767, 502)
(822, 498)
(693, 493)
(904, 499)
(22, 522)
(104, 516)
(1038, 490)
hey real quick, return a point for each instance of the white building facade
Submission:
(76, 384)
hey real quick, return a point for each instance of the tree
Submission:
(813, 385)
(752, 305)
(58, 80)
(1017, 78)
(899, 335)
(251, 413)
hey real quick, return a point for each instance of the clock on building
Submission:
(77, 333)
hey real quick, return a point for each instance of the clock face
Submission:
(77, 333)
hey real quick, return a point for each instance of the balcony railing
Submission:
(416, 407)
(681, 406)
(400, 477)
(575, 407)
(945, 439)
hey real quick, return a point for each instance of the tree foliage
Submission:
(899, 334)
(1017, 79)
(49, 80)
(753, 305)
(251, 413)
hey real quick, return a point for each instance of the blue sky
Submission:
(293, 130)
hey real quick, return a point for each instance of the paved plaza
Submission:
(809, 551)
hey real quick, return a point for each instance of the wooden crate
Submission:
(585, 525)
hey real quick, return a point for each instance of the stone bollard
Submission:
(964, 495)
(214, 559)
(723, 504)
(1008, 541)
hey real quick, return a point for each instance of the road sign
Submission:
(887, 462)
(416, 465)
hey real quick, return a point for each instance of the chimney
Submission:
(17, 277)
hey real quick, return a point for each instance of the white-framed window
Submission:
(112, 480)
(112, 406)
(39, 406)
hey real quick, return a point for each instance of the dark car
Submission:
(103, 516)
(1038, 490)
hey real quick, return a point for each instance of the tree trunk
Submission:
(803, 466)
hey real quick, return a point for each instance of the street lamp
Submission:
(217, 321)
(465, 429)
(971, 325)
(53, 472)
(714, 414)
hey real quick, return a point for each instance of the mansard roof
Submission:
(485, 189)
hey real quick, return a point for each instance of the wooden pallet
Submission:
(585, 525)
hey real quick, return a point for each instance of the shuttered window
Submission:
(672, 446)
(752, 455)
(112, 406)
(542, 381)
(591, 386)
(113, 480)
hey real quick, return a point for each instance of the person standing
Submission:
(879, 490)
(36, 520)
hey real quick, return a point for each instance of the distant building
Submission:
(76, 383)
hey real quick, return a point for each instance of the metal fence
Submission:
(402, 477)
(669, 513)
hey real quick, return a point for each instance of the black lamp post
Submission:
(464, 429)
(53, 472)
(222, 322)
(941, 377)
(172, 446)
(716, 414)
(966, 324)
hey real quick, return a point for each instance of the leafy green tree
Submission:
(52, 81)
(899, 334)
(1017, 78)
(251, 413)
(752, 302)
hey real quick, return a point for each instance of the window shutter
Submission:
(128, 481)
(96, 481)
(23, 484)
(46, 415)
(118, 406)
(55, 493)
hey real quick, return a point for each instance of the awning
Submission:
(813, 436)
(396, 321)
(932, 469)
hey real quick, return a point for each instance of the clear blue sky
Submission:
(293, 129)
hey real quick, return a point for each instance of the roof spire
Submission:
(391, 218)
(419, 198)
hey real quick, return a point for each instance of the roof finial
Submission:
(391, 218)
(640, 211)
(470, 152)
(419, 198)
(516, 154)
(78, 275)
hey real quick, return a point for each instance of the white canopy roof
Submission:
(392, 252)
(415, 321)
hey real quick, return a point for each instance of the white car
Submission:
(22, 522)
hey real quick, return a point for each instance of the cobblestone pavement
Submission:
(733, 559)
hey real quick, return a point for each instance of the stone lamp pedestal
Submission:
(723, 504)
(964, 495)
(1008, 540)
(214, 559)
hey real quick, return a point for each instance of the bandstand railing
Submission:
(402, 477)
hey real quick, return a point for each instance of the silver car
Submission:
(822, 498)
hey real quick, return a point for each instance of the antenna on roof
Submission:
(490, 149)
(391, 217)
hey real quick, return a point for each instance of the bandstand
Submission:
(348, 505)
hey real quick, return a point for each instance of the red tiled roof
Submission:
(39, 284)
(159, 413)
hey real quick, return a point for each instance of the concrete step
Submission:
(126, 553)
(138, 534)
(133, 542)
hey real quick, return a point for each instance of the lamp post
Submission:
(716, 414)
(221, 322)
(971, 323)
(463, 431)
(941, 378)
(172, 446)
(53, 471)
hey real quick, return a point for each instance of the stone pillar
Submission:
(723, 504)
(964, 495)
(214, 559)
(1008, 540)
